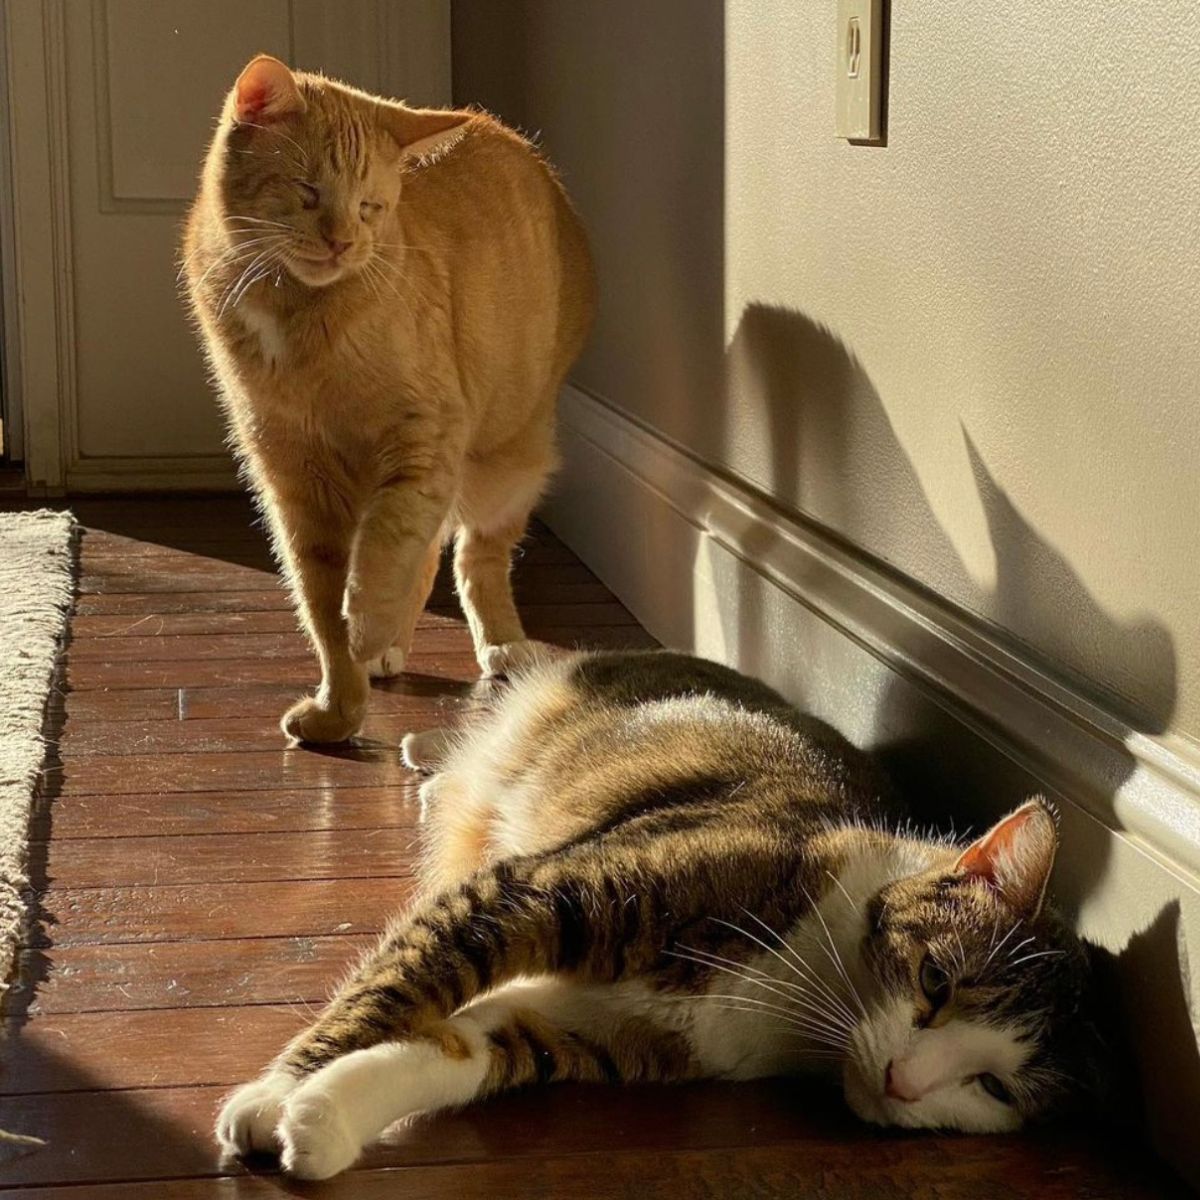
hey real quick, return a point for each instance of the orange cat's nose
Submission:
(336, 248)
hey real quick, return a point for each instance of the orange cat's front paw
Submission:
(309, 720)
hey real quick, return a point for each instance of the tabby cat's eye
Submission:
(309, 196)
(994, 1087)
(367, 209)
(934, 982)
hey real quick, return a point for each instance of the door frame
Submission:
(10, 383)
(39, 315)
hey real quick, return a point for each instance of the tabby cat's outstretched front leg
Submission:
(391, 1023)
(536, 1033)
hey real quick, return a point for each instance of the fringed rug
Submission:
(36, 587)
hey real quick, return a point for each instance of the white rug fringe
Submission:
(36, 589)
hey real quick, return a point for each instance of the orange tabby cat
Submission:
(390, 299)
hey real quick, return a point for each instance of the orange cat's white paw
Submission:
(513, 656)
(248, 1117)
(314, 1141)
(387, 665)
(309, 720)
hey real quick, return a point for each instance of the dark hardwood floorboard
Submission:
(228, 858)
(214, 911)
(281, 970)
(273, 811)
(198, 887)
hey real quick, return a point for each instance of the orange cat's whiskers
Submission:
(237, 253)
(378, 269)
(260, 266)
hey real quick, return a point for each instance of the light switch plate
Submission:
(860, 70)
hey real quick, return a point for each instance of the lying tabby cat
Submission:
(649, 867)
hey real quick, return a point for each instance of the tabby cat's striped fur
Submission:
(648, 867)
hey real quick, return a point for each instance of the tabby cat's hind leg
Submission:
(426, 751)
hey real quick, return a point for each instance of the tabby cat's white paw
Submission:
(314, 1141)
(513, 656)
(388, 665)
(248, 1117)
(425, 751)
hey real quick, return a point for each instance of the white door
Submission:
(111, 104)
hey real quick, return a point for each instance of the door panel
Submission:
(141, 82)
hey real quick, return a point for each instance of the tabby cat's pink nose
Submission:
(897, 1087)
(336, 247)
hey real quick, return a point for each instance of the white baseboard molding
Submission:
(205, 473)
(711, 566)
(1007, 697)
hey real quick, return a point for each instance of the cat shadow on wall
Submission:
(824, 439)
(833, 455)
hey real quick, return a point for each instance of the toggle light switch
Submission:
(860, 70)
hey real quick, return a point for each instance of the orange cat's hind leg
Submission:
(391, 662)
(494, 516)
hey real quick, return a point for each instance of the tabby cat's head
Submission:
(310, 171)
(980, 1012)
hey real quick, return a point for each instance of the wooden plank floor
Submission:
(198, 886)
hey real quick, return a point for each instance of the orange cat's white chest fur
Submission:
(269, 331)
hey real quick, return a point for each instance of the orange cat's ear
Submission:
(1015, 856)
(266, 90)
(422, 132)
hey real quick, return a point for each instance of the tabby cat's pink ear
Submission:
(266, 90)
(423, 132)
(1015, 856)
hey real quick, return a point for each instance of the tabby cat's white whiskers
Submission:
(800, 967)
(820, 1004)
(802, 988)
(751, 1004)
(235, 259)
(998, 946)
(802, 1000)
(1038, 954)
(834, 954)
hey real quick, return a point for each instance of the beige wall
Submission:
(973, 353)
